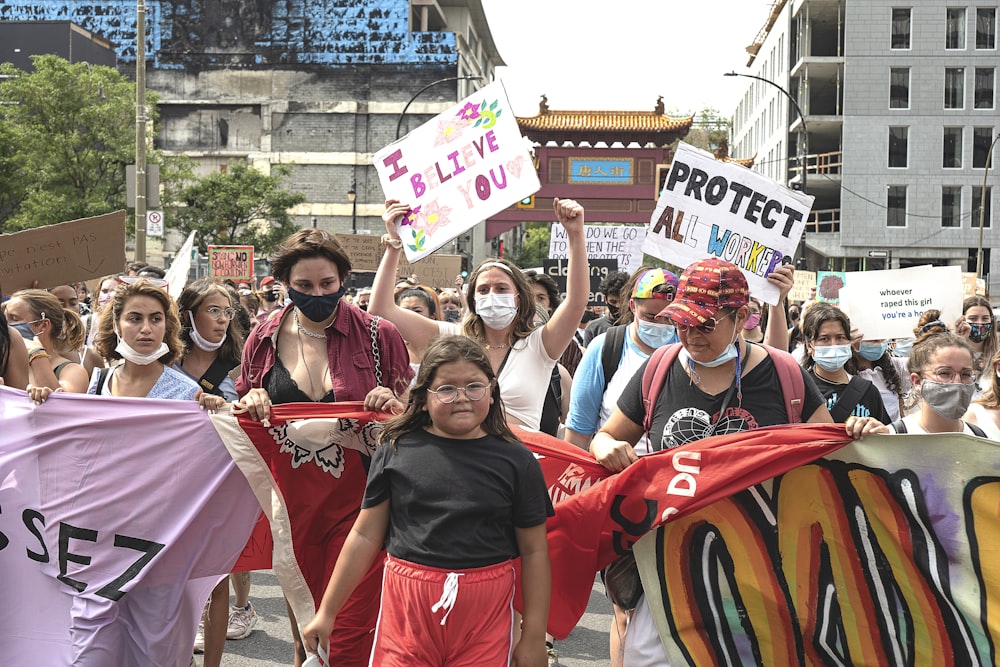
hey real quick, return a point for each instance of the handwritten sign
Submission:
(973, 286)
(364, 250)
(805, 281)
(558, 270)
(888, 304)
(62, 253)
(622, 243)
(456, 170)
(710, 208)
(437, 271)
(234, 262)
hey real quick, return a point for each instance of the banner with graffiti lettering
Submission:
(456, 170)
(711, 208)
(881, 553)
(117, 518)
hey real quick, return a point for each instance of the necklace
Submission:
(302, 329)
(498, 346)
(302, 356)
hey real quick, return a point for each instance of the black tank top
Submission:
(281, 388)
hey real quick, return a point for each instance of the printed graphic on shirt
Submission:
(858, 411)
(690, 424)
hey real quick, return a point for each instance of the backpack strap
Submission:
(976, 430)
(653, 379)
(102, 378)
(214, 375)
(848, 399)
(611, 355)
(793, 387)
(899, 426)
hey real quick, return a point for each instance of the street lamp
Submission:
(399, 123)
(801, 148)
(352, 196)
(982, 210)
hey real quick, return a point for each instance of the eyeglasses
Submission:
(448, 393)
(948, 375)
(707, 327)
(132, 280)
(218, 314)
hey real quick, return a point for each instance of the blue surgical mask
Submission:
(831, 358)
(872, 351)
(24, 328)
(656, 334)
(903, 347)
(316, 308)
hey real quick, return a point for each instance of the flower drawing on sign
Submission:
(411, 217)
(450, 129)
(419, 241)
(487, 118)
(469, 112)
(435, 214)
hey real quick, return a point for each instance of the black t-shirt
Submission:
(455, 503)
(684, 413)
(869, 405)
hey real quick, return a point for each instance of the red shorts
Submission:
(354, 627)
(432, 616)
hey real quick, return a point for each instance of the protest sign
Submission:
(365, 250)
(888, 304)
(456, 170)
(709, 208)
(801, 291)
(828, 286)
(558, 269)
(437, 271)
(234, 262)
(973, 286)
(63, 253)
(622, 243)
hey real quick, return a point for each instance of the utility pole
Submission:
(140, 131)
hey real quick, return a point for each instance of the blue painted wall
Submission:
(193, 34)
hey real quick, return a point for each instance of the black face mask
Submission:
(363, 306)
(316, 308)
(612, 312)
(270, 295)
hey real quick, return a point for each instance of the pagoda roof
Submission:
(591, 127)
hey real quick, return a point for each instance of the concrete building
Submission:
(319, 85)
(899, 104)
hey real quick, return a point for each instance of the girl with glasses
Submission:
(455, 498)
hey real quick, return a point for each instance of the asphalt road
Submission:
(271, 641)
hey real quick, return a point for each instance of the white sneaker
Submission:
(241, 622)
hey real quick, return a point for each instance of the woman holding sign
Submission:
(501, 313)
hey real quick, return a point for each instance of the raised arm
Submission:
(415, 329)
(559, 330)
(777, 324)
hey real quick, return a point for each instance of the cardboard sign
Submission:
(801, 291)
(234, 262)
(364, 250)
(622, 243)
(437, 271)
(829, 284)
(456, 170)
(973, 286)
(558, 269)
(710, 208)
(63, 253)
(888, 304)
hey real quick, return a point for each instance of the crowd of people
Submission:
(451, 498)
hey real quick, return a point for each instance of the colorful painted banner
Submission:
(117, 518)
(456, 170)
(710, 208)
(882, 553)
(888, 304)
(234, 262)
(828, 286)
(619, 242)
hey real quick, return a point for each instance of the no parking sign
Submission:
(154, 223)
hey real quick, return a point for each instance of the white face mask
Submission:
(129, 353)
(200, 341)
(496, 310)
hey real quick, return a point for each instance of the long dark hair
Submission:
(815, 317)
(190, 300)
(446, 350)
(4, 344)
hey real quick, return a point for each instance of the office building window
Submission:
(898, 137)
(977, 206)
(952, 157)
(954, 88)
(951, 206)
(954, 28)
(984, 88)
(896, 206)
(899, 88)
(986, 28)
(900, 28)
(982, 138)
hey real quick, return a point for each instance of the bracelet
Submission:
(36, 353)
(390, 242)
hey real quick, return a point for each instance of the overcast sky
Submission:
(622, 55)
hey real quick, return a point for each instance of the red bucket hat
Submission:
(705, 287)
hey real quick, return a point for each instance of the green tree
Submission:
(535, 246)
(66, 133)
(240, 206)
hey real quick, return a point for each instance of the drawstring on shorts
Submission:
(449, 593)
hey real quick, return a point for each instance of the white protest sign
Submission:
(456, 170)
(709, 208)
(621, 242)
(888, 304)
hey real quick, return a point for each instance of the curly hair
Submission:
(190, 300)
(106, 339)
(447, 350)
